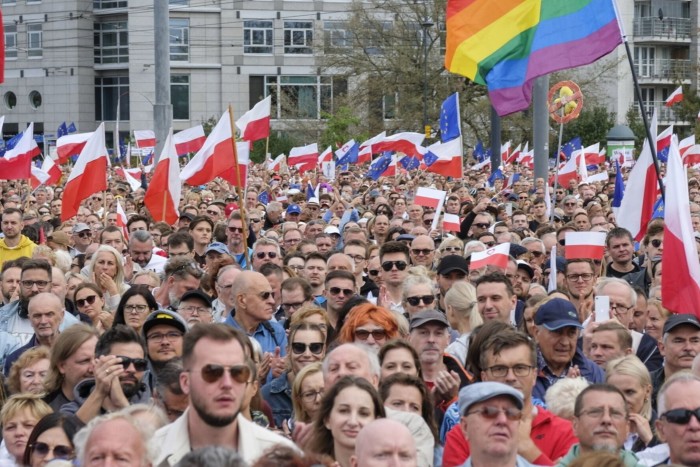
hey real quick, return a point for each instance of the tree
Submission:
(634, 121)
(592, 126)
(341, 126)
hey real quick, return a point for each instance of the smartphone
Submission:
(509, 209)
(602, 308)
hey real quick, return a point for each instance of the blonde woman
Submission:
(107, 271)
(307, 391)
(451, 246)
(418, 292)
(656, 318)
(462, 313)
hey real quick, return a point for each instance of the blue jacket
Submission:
(12, 358)
(545, 378)
(278, 394)
(269, 334)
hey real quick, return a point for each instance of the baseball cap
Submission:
(560, 265)
(331, 230)
(187, 215)
(558, 313)
(313, 200)
(293, 209)
(218, 247)
(480, 392)
(198, 294)
(452, 263)
(230, 207)
(526, 267)
(680, 319)
(516, 250)
(80, 227)
(427, 316)
(164, 317)
(59, 237)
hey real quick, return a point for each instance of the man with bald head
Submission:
(423, 251)
(351, 360)
(223, 305)
(374, 449)
(45, 316)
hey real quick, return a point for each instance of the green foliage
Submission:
(280, 142)
(592, 126)
(633, 120)
(341, 126)
(209, 124)
(687, 111)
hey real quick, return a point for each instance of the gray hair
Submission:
(528, 240)
(417, 275)
(677, 378)
(263, 241)
(474, 245)
(273, 206)
(212, 455)
(158, 414)
(561, 396)
(83, 436)
(375, 367)
(141, 236)
(606, 281)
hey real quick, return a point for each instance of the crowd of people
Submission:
(276, 326)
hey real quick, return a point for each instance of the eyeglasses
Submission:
(656, 243)
(620, 308)
(89, 300)
(200, 310)
(295, 267)
(421, 251)
(213, 213)
(310, 396)
(140, 364)
(500, 371)
(29, 284)
(483, 225)
(453, 249)
(363, 334)
(338, 291)
(570, 204)
(598, 412)
(254, 221)
(426, 299)
(537, 254)
(373, 272)
(681, 416)
(562, 241)
(159, 336)
(292, 306)
(84, 234)
(135, 308)
(389, 265)
(579, 277)
(212, 373)
(235, 229)
(427, 221)
(269, 254)
(59, 452)
(300, 347)
(490, 412)
(357, 258)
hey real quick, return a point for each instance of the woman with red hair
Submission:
(370, 325)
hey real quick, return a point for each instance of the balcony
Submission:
(664, 70)
(668, 29)
(665, 115)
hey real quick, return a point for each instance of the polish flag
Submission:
(429, 197)
(326, 156)
(276, 165)
(663, 140)
(641, 192)
(121, 221)
(450, 222)
(163, 195)
(304, 157)
(391, 168)
(38, 177)
(50, 167)
(70, 145)
(513, 156)
(189, 140)
(407, 142)
(367, 148)
(691, 155)
(685, 144)
(675, 97)
(585, 245)
(593, 155)
(17, 162)
(505, 151)
(496, 256)
(88, 175)
(527, 159)
(133, 178)
(215, 157)
(243, 152)
(255, 123)
(680, 282)
(145, 138)
(481, 165)
(568, 172)
(449, 158)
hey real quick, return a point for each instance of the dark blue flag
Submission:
(264, 197)
(409, 163)
(147, 159)
(11, 143)
(570, 147)
(62, 130)
(429, 158)
(122, 150)
(619, 188)
(310, 193)
(658, 209)
(350, 157)
(479, 152)
(449, 118)
(496, 175)
(72, 128)
(378, 166)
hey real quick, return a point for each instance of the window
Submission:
(35, 99)
(34, 40)
(179, 39)
(107, 4)
(112, 42)
(10, 100)
(257, 37)
(336, 36)
(110, 93)
(644, 59)
(180, 96)
(179, 2)
(389, 106)
(301, 96)
(298, 37)
(9, 2)
(11, 40)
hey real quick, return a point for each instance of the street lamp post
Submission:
(425, 25)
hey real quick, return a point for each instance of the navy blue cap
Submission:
(556, 314)
(293, 209)
(680, 319)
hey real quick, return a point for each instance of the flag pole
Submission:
(237, 178)
(165, 203)
(638, 94)
(556, 163)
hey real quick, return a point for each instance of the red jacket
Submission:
(551, 434)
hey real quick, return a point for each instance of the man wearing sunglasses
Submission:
(82, 238)
(423, 251)
(679, 419)
(394, 260)
(340, 287)
(120, 365)
(266, 251)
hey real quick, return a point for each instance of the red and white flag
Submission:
(585, 245)
(38, 177)
(276, 165)
(70, 145)
(303, 157)
(89, 175)
(407, 142)
(680, 282)
(449, 158)
(513, 156)
(663, 139)
(54, 170)
(121, 221)
(367, 148)
(132, 177)
(243, 152)
(685, 144)
(145, 138)
(675, 97)
(189, 140)
(641, 192)
(505, 151)
(450, 222)
(326, 156)
(569, 171)
(214, 159)
(429, 197)
(163, 195)
(255, 123)
(16, 165)
(496, 256)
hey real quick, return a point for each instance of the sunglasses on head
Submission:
(59, 452)
(269, 254)
(212, 373)
(681, 416)
(338, 290)
(300, 347)
(89, 300)
(140, 364)
(426, 299)
(389, 265)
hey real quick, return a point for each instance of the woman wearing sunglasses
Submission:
(107, 271)
(52, 439)
(418, 292)
(451, 246)
(89, 301)
(370, 325)
(306, 345)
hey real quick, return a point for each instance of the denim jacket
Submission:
(278, 394)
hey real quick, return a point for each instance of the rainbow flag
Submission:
(506, 44)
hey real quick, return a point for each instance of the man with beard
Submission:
(216, 376)
(141, 251)
(9, 280)
(163, 331)
(34, 279)
(14, 245)
(119, 367)
(181, 275)
(520, 274)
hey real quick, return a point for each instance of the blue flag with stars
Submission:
(72, 128)
(570, 147)
(11, 143)
(410, 163)
(264, 197)
(379, 165)
(350, 157)
(449, 118)
(147, 159)
(479, 151)
(496, 175)
(429, 158)
(62, 130)
(658, 209)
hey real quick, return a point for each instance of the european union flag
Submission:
(619, 188)
(122, 150)
(11, 143)
(264, 197)
(479, 152)
(350, 157)
(147, 159)
(310, 193)
(409, 163)
(658, 209)
(429, 158)
(378, 166)
(570, 147)
(72, 128)
(62, 130)
(449, 118)
(663, 154)
(496, 175)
